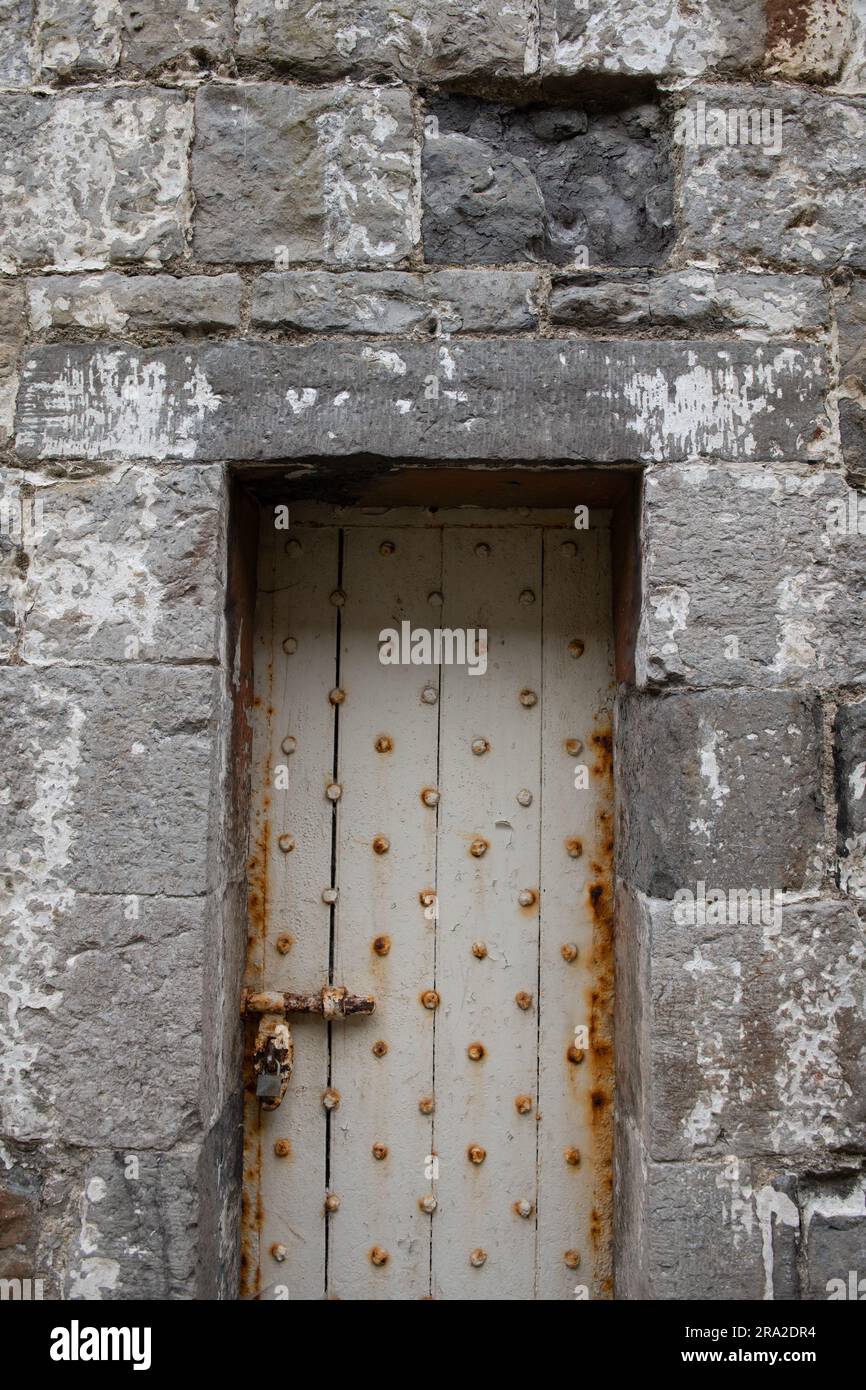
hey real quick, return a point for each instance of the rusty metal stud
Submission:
(482, 550)
(427, 897)
(382, 945)
(278, 1253)
(429, 695)
(426, 1105)
(480, 746)
(284, 943)
(435, 598)
(575, 1054)
(476, 1154)
(576, 647)
(329, 896)
(527, 597)
(430, 999)
(379, 1049)
(338, 598)
(283, 1148)
(378, 1256)
(523, 1000)
(527, 897)
(336, 696)
(477, 1258)
(523, 1208)
(290, 645)
(294, 548)
(379, 1151)
(332, 1202)
(478, 848)
(479, 950)
(574, 847)
(428, 1204)
(572, 1259)
(383, 744)
(387, 548)
(286, 843)
(572, 1158)
(524, 797)
(523, 1104)
(381, 844)
(333, 791)
(528, 698)
(569, 951)
(289, 744)
(330, 1098)
(569, 549)
(476, 1051)
(573, 746)
(430, 796)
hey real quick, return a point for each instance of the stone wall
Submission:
(264, 230)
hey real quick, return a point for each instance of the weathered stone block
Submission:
(834, 1218)
(752, 578)
(697, 770)
(510, 184)
(687, 1230)
(16, 17)
(93, 177)
(752, 1034)
(105, 790)
(113, 303)
(806, 41)
(504, 398)
(327, 175)
(111, 770)
(139, 1218)
(593, 301)
(445, 301)
(749, 304)
(410, 39)
(849, 753)
(12, 332)
(803, 206)
(124, 979)
(693, 301)
(77, 36)
(124, 566)
(167, 31)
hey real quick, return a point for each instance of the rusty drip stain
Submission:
(599, 1005)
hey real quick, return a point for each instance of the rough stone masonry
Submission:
(241, 231)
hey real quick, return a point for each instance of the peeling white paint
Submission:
(717, 789)
(391, 361)
(770, 1204)
(34, 894)
(302, 400)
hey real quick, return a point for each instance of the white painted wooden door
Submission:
(442, 840)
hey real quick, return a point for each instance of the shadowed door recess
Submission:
(440, 839)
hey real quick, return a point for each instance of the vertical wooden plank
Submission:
(485, 573)
(295, 705)
(380, 898)
(575, 1098)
